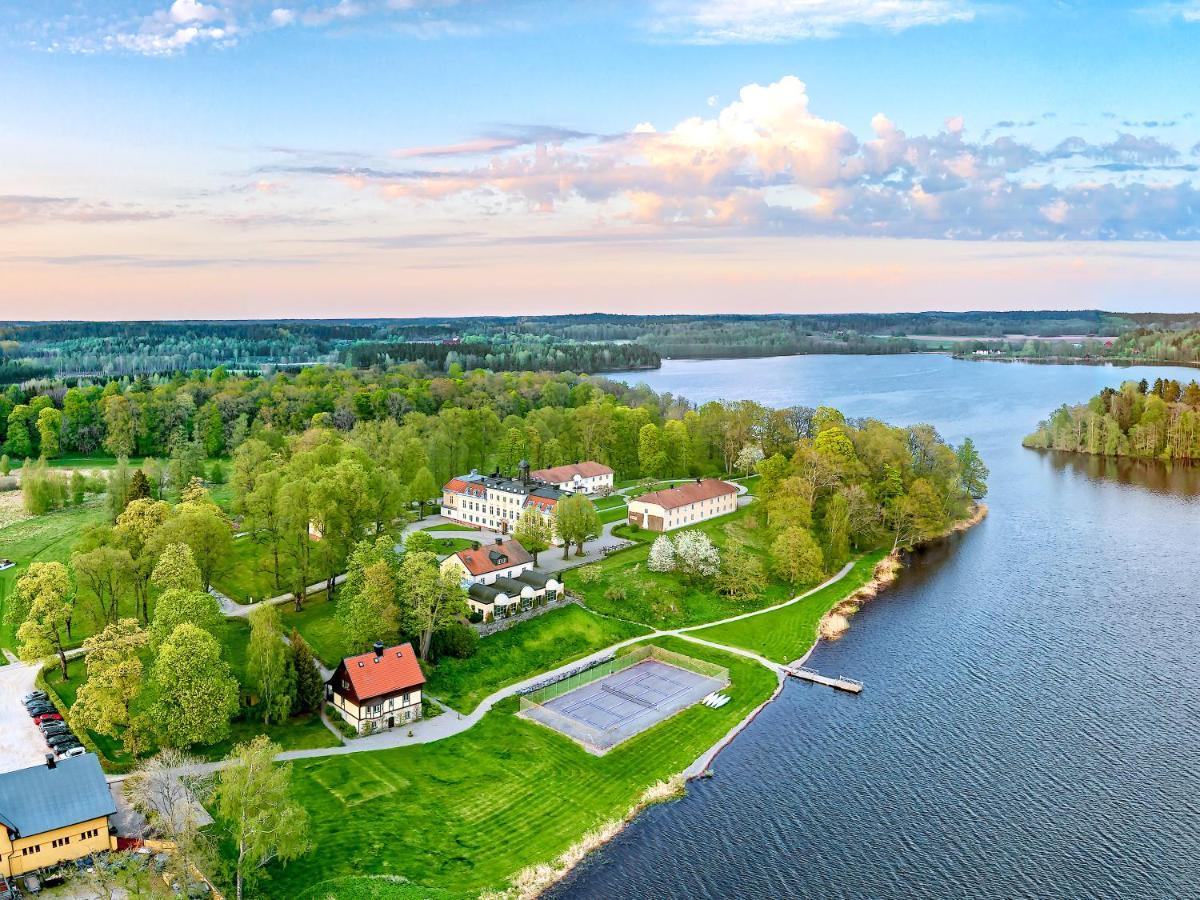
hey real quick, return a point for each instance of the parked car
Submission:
(47, 717)
(53, 727)
(40, 710)
(68, 750)
(57, 740)
(35, 695)
(8, 890)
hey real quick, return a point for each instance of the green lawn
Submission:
(450, 526)
(466, 813)
(509, 656)
(614, 514)
(784, 635)
(47, 538)
(609, 502)
(628, 590)
(446, 546)
(74, 461)
(319, 628)
(251, 572)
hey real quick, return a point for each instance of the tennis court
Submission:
(613, 706)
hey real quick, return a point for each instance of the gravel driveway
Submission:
(21, 743)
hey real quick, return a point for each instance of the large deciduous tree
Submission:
(43, 599)
(195, 694)
(534, 531)
(114, 678)
(254, 802)
(796, 557)
(269, 665)
(429, 599)
(576, 522)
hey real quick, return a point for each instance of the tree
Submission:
(370, 610)
(179, 606)
(836, 522)
(576, 521)
(696, 556)
(139, 486)
(136, 530)
(254, 800)
(206, 532)
(120, 415)
(429, 599)
(168, 789)
(662, 555)
(972, 473)
(20, 441)
(106, 572)
(78, 488)
(117, 488)
(176, 568)
(748, 459)
(796, 557)
(114, 678)
(42, 489)
(741, 577)
(423, 489)
(310, 686)
(269, 665)
(262, 515)
(534, 531)
(5, 464)
(194, 692)
(49, 428)
(46, 625)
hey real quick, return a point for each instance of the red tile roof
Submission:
(395, 670)
(456, 485)
(494, 557)
(687, 494)
(542, 503)
(563, 474)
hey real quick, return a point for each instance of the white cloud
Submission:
(765, 163)
(281, 16)
(185, 11)
(773, 21)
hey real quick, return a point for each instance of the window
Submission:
(90, 833)
(60, 842)
(29, 851)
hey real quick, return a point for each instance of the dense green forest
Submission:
(1158, 421)
(589, 343)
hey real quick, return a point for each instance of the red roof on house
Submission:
(457, 485)
(687, 494)
(374, 674)
(563, 474)
(494, 557)
(542, 503)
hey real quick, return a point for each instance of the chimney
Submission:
(50, 763)
(378, 649)
(698, 479)
(474, 545)
(499, 541)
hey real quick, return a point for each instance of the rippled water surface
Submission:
(1031, 722)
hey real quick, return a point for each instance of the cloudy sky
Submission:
(237, 158)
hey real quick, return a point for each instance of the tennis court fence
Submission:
(618, 663)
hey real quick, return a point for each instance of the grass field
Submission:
(450, 526)
(250, 573)
(47, 538)
(319, 628)
(534, 646)
(614, 514)
(628, 590)
(784, 635)
(466, 813)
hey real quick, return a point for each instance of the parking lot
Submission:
(21, 743)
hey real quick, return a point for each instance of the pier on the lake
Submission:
(849, 685)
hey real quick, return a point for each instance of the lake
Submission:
(1032, 712)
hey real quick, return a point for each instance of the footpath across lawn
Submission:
(465, 814)
(784, 635)
(538, 645)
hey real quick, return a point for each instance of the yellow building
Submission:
(54, 813)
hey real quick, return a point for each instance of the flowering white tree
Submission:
(662, 555)
(749, 458)
(696, 555)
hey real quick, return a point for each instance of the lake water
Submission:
(1031, 720)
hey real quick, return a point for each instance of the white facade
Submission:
(657, 517)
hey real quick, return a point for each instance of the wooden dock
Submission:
(849, 685)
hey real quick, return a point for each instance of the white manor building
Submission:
(495, 503)
(577, 478)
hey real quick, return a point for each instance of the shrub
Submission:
(616, 593)
(588, 574)
(456, 640)
(662, 555)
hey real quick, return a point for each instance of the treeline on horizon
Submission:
(1140, 420)
(587, 343)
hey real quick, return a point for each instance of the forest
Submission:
(1140, 419)
(72, 352)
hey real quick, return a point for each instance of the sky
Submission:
(336, 158)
